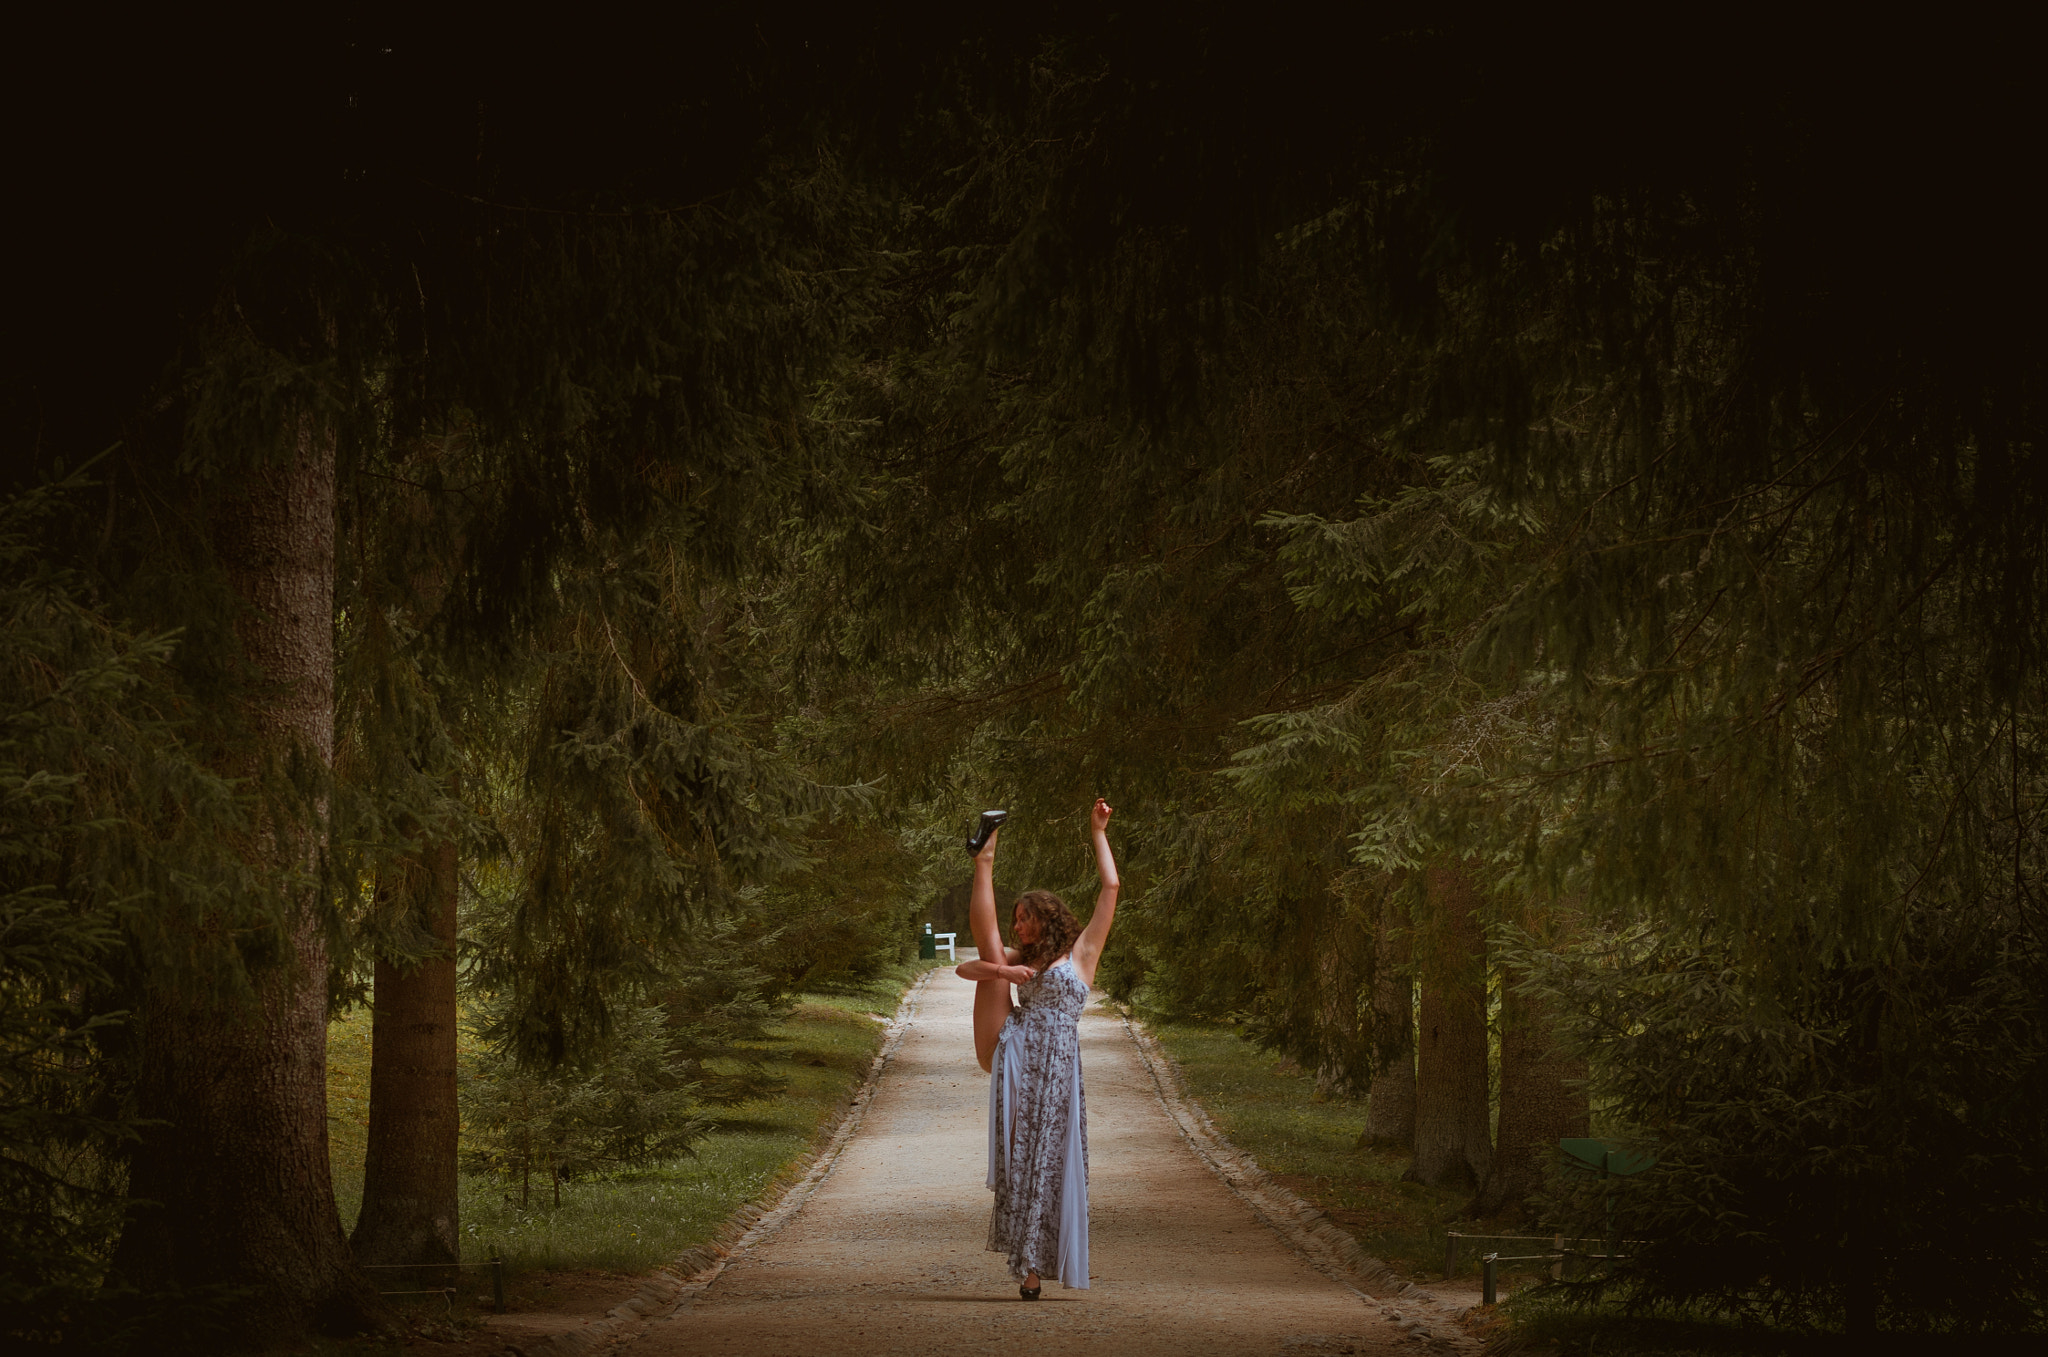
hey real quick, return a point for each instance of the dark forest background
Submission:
(1538, 526)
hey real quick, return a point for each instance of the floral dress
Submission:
(1038, 1132)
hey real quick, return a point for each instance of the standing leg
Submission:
(991, 997)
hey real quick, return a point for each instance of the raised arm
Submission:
(1088, 947)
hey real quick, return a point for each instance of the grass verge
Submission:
(1268, 1107)
(633, 1221)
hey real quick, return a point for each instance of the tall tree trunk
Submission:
(949, 913)
(232, 1190)
(1542, 1101)
(1390, 1095)
(1342, 960)
(410, 1213)
(1453, 1134)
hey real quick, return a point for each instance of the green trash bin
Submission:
(927, 945)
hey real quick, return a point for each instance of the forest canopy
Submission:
(1538, 526)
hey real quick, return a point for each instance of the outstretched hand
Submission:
(1098, 818)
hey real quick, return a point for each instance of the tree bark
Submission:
(1390, 1094)
(1453, 1134)
(232, 1193)
(1343, 1035)
(410, 1212)
(949, 912)
(1542, 1101)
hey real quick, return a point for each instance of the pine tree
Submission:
(1390, 1093)
(111, 826)
(345, 303)
(1453, 1130)
(1543, 1101)
(409, 1178)
(629, 1104)
(236, 1163)
(1335, 453)
(1690, 487)
(405, 720)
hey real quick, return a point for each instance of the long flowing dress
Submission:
(1038, 1132)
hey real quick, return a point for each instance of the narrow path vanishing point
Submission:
(886, 1257)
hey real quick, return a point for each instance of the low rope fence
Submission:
(1559, 1253)
(447, 1293)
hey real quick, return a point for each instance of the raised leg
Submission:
(991, 997)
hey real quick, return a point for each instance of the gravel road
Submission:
(886, 1255)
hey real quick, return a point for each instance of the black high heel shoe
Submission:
(991, 821)
(1028, 1292)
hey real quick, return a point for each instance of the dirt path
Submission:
(886, 1257)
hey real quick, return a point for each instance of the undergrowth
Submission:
(631, 1221)
(1553, 1322)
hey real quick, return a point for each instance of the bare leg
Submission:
(991, 1011)
(991, 997)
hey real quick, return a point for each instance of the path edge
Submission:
(673, 1287)
(1327, 1246)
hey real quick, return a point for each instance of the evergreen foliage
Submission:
(1352, 456)
(107, 839)
(521, 372)
(1681, 562)
(839, 924)
(640, 785)
(1866, 1147)
(632, 1104)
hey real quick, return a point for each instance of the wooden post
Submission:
(1489, 1279)
(1450, 1254)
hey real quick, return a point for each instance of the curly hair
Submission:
(1057, 928)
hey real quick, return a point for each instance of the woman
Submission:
(1037, 1119)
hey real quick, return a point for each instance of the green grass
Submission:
(632, 1221)
(1268, 1108)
